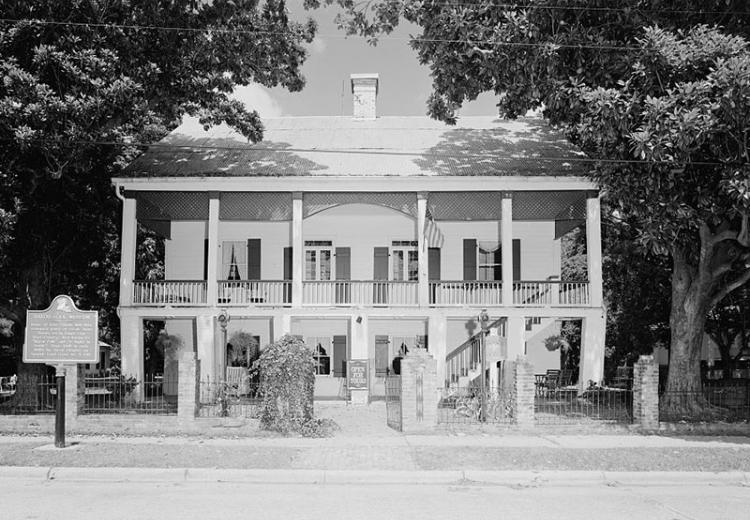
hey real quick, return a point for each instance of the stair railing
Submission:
(467, 356)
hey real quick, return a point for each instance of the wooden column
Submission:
(212, 289)
(506, 245)
(423, 291)
(594, 248)
(127, 250)
(297, 250)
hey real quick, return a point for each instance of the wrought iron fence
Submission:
(393, 402)
(28, 395)
(469, 406)
(722, 400)
(220, 398)
(125, 395)
(565, 405)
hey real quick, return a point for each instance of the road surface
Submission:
(702, 498)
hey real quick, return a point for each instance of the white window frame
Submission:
(319, 246)
(407, 246)
(326, 343)
(240, 249)
(494, 265)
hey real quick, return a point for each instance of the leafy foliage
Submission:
(84, 83)
(287, 383)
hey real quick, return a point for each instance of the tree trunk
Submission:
(683, 397)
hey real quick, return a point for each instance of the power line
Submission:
(504, 5)
(323, 36)
(360, 151)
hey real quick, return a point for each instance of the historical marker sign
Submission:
(358, 374)
(61, 334)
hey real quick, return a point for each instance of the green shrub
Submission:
(287, 382)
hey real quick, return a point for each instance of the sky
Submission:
(404, 84)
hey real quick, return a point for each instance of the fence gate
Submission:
(393, 402)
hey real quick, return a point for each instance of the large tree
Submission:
(664, 109)
(84, 84)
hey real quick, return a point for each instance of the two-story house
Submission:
(366, 236)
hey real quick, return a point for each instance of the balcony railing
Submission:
(360, 292)
(551, 292)
(471, 293)
(443, 293)
(255, 292)
(171, 292)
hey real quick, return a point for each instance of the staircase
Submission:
(463, 364)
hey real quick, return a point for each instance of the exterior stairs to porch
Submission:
(463, 364)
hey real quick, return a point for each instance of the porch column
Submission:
(594, 248)
(506, 248)
(281, 324)
(423, 277)
(297, 250)
(515, 337)
(213, 250)
(592, 349)
(360, 351)
(131, 346)
(127, 250)
(437, 330)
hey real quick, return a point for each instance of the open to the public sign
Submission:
(357, 374)
(61, 334)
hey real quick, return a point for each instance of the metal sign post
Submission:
(60, 407)
(58, 336)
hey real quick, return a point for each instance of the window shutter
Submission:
(339, 356)
(381, 356)
(343, 263)
(205, 259)
(380, 265)
(287, 263)
(433, 263)
(253, 259)
(516, 259)
(288, 274)
(470, 259)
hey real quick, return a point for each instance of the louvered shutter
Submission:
(516, 259)
(253, 259)
(470, 259)
(339, 356)
(381, 356)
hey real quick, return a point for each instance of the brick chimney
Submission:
(364, 95)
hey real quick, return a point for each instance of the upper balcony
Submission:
(360, 293)
(399, 249)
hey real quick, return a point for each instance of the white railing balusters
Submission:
(171, 292)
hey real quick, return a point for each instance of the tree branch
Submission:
(729, 287)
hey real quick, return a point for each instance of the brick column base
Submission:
(522, 393)
(188, 387)
(646, 393)
(419, 396)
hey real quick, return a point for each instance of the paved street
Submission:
(703, 498)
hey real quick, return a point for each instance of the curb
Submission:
(519, 479)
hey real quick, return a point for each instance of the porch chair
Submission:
(549, 382)
(237, 381)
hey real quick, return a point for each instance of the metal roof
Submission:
(343, 146)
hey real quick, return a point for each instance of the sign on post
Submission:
(61, 334)
(358, 374)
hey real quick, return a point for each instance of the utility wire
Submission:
(505, 5)
(332, 36)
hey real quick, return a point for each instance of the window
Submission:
(233, 260)
(318, 259)
(321, 356)
(489, 261)
(404, 261)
